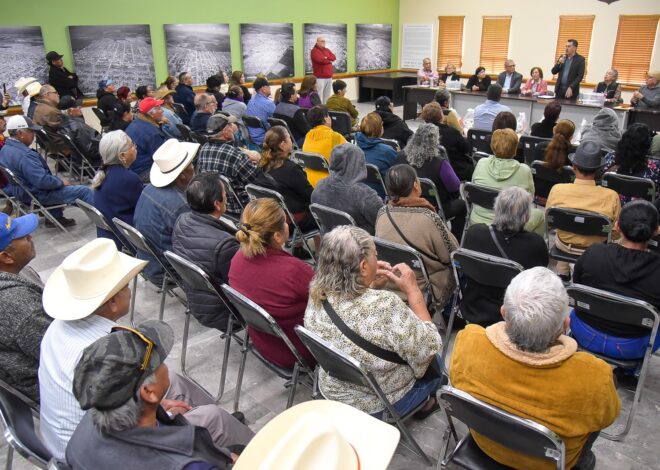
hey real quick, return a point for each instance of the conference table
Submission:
(385, 84)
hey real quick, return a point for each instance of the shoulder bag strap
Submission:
(497, 242)
(408, 242)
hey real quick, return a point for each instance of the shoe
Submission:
(62, 220)
(626, 379)
(423, 414)
(239, 416)
(565, 278)
(586, 462)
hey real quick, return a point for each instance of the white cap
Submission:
(18, 122)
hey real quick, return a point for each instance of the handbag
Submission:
(497, 242)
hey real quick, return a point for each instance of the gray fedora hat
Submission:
(588, 156)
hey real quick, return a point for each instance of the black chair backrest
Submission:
(479, 195)
(395, 253)
(430, 192)
(392, 143)
(479, 140)
(545, 177)
(341, 122)
(630, 186)
(186, 133)
(100, 221)
(180, 110)
(311, 161)
(99, 114)
(257, 192)
(485, 269)
(230, 190)
(328, 218)
(193, 276)
(529, 145)
(513, 432)
(578, 222)
(253, 121)
(654, 244)
(254, 316)
(273, 121)
(476, 156)
(374, 177)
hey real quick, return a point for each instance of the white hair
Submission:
(536, 305)
(111, 146)
(513, 207)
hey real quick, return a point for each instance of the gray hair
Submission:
(338, 273)
(183, 75)
(536, 305)
(442, 95)
(508, 61)
(45, 89)
(123, 417)
(111, 146)
(615, 74)
(423, 145)
(513, 207)
(201, 100)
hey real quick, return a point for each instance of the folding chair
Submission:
(625, 311)
(341, 366)
(254, 122)
(574, 221)
(654, 244)
(230, 190)
(100, 221)
(630, 186)
(87, 170)
(310, 161)
(342, 123)
(479, 141)
(545, 178)
(374, 177)
(481, 268)
(196, 278)
(273, 121)
(256, 192)
(257, 318)
(19, 433)
(328, 218)
(186, 133)
(180, 110)
(430, 193)
(392, 143)
(516, 433)
(530, 146)
(142, 243)
(103, 119)
(479, 195)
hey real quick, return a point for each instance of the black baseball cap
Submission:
(52, 55)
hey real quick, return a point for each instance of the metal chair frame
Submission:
(529, 144)
(321, 214)
(374, 177)
(311, 161)
(430, 190)
(341, 123)
(644, 187)
(273, 121)
(541, 172)
(87, 170)
(470, 192)
(558, 218)
(479, 140)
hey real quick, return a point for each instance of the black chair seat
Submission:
(282, 372)
(556, 253)
(469, 455)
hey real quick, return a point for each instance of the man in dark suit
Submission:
(510, 80)
(570, 70)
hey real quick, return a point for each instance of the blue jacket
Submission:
(376, 153)
(198, 121)
(148, 139)
(30, 168)
(185, 95)
(170, 128)
(263, 108)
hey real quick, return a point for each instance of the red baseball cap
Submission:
(148, 103)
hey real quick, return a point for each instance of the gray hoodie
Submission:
(603, 130)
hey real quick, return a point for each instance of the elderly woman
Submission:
(506, 238)
(283, 286)
(479, 81)
(411, 220)
(604, 130)
(375, 150)
(610, 87)
(233, 103)
(347, 289)
(308, 97)
(550, 115)
(450, 74)
(116, 188)
(443, 98)
(343, 189)
(502, 171)
(535, 85)
(238, 79)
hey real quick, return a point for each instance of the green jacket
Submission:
(341, 103)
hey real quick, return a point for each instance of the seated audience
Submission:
(283, 288)
(171, 118)
(201, 237)
(163, 201)
(502, 171)
(375, 150)
(555, 156)
(147, 135)
(510, 80)
(550, 116)
(320, 139)
(205, 107)
(450, 74)
(291, 113)
(610, 87)
(213, 84)
(648, 96)
(85, 137)
(308, 96)
(631, 157)
(604, 130)
(33, 171)
(513, 207)
(238, 79)
(339, 102)
(344, 190)
(233, 103)
(411, 220)
(32, 90)
(47, 115)
(106, 100)
(479, 81)
(170, 83)
(527, 366)
(124, 94)
(185, 94)
(220, 156)
(626, 268)
(582, 194)
(21, 86)
(144, 91)
(22, 318)
(485, 113)
(123, 117)
(277, 97)
(126, 423)
(349, 283)
(394, 127)
(116, 188)
(535, 85)
(457, 147)
(505, 120)
(443, 98)
(262, 107)
(426, 75)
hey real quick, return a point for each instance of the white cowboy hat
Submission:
(23, 82)
(170, 160)
(33, 88)
(87, 278)
(321, 435)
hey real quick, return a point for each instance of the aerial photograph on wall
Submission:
(335, 40)
(22, 54)
(373, 46)
(267, 48)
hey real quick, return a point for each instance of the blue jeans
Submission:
(66, 195)
(611, 346)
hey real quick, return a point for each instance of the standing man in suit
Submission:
(510, 80)
(322, 59)
(570, 70)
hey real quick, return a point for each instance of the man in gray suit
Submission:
(510, 80)
(570, 72)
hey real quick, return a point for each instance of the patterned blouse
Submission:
(382, 318)
(652, 172)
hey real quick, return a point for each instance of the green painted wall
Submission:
(55, 15)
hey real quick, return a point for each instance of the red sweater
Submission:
(322, 59)
(279, 283)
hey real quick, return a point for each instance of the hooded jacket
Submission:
(603, 130)
(395, 128)
(376, 153)
(106, 102)
(344, 191)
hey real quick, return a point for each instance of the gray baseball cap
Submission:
(110, 369)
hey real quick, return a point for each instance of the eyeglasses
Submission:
(147, 341)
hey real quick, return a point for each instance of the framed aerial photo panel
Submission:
(373, 46)
(267, 48)
(201, 49)
(335, 40)
(119, 52)
(22, 54)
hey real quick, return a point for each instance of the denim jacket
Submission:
(155, 215)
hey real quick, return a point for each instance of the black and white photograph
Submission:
(267, 49)
(22, 54)
(119, 52)
(201, 49)
(335, 40)
(373, 46)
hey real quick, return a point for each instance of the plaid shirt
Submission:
(225, 159)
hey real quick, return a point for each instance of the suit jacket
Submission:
(516, 81)
(575, 76)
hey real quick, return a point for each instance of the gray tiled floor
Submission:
(263, 395)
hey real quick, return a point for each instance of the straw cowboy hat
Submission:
(321, 435)
(33, 88)
(87, 278)
(22, 83)
(170, 160)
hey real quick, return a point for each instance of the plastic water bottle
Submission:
(578, 135)
(521, 125)
(468, 119)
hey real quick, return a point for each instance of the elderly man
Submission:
(85, 137)
(22, 318)
(510, 80)
(33, 171)
(339, 102)
(65, 82)
(570, 72)
(262, 107)
(485, 113)
(203, 238)
(322, 59)
(291, 113)
(426, 75)
(528, 367)
(86, 295)
(220, 156)
(172, 119)
(205, 106)
(147, 135)
(47, 115)
(185, 94)
(648, 96)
